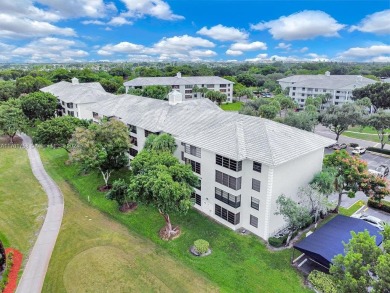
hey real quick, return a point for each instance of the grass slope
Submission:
(23, 202)
(236, 106)
(94, 253)
(237, 264)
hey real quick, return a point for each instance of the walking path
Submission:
(36, 267)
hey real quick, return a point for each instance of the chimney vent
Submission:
(178, 75)
(75, 80)
(327, 73)
(175, 97)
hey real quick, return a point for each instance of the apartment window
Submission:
(197, 198)
(175, 87)
(254, 221)
(188, 96)
(132, 128)
(228, 163)
(336, 103)
(302, 100)
(133, 152)
(316, 90)
(209, 86)
(337, 97)
(147, 133)
(194, 165)
(302, 95)
(255, 203)
(95, 115)
(192, 150)
(256, 185)
(337, 92)
(294, 88)
(293, 94)
(230, 199)
(324, 91)
(227, 180)
(71, 113)
(188, 91)
(227, 215)
(63, 103)
(199, 186)
(133, 140)
(303, 88)
(310, 89)
(189, 86)
(257, 167)
(69, 105)
(223, 90)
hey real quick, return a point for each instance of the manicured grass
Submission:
(352, 209)
(23, 202)
(94, 253)
(366, 129)
(236, 106)
(237, 264)
(368, 137)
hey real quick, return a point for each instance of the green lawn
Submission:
(238, 263)
(236, 106)
(23, 202)
(365, 133)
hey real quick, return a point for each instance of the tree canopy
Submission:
(39, 106)
(12, 118)
(380, 121)
(378, 93)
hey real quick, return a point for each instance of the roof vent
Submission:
(75, 80)
(175, 97)
(327, 73)
(178, 75)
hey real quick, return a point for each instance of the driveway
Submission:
(377, 213)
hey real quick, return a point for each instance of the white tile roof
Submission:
(79, 93)
(174, 80)
(203, 124)
(345, 82)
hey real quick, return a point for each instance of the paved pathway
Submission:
(35, 270)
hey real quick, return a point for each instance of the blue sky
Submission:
(194, 30)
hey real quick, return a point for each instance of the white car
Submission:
(376, 222)
(358, 151)
(381, 171)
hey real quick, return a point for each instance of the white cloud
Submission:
(317, 57)
(358, 52)
(304, 49)
(234, 52)
(96, 22)
(179, 44)
(381, 59)
(155, 8)
(123, 47)
(259, 58)
(377, 23)
(202, 53)
(15, 27)
(283, 46)
(248, 46)
(119, 20)
(303, 25)
(223, 33)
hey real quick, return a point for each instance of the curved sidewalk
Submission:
(35, 271)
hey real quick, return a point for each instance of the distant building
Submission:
(74, 97)
(186, 84)
(340, 87)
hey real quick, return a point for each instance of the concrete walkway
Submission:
(35, 271)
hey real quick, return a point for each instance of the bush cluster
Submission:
(8, 266)
(378, 150)
(280, 241)
(201, 246)
(382, 205)
(322, 282)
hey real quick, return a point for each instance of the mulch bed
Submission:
(164, 235)
(105, 188)
(128, 207)
(13, 275)
(5, 140)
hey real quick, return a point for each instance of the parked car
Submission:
(329, 146)
(340, 146)
(381, 171)
(358, 151)
(371, 220)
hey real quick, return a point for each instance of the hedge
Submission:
(379, 150)
(322, 282)
(281, 241)
(382, 205)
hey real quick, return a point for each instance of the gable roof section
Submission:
(78, 93)
(174, 80)
(203, 124)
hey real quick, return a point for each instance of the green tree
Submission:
(316, 102)
(296, 216)
(378, 93)
(160, 143)
(7, 90)
(315, 200)
(269, 111)
(216, 96)
(381, 122)
(324, 180)
(39, 106)
(338, 119)
(245, 92)
(12, 118)
(303, 120)
(58, 131)
(246, 79)
(101, 146)
(286, 103)
(156, 92)
(29, 84)
(120, 193)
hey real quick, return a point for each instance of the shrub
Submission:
(378, 150)
(277, 242)
(353, 145)
(201, 246)
(382, 205)
(322, 282)
(8, 266)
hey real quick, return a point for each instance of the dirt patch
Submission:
(6, 140)
(104, 188)
(164, 234)
(128, 207)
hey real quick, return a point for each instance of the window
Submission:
(63, 103)
(227, 215)
(188, 96)
(147, 133)
(324, 91)
(230, 199)
(303, 95)
(197, 198)
(192, 150)
(133, 140)
(302, 100)
(294, 88)
(199, 184)
(227, 180)
(189, 86)
(336, 103)
(337, 97)
(255, 203)
(316, 90)
(209, 86)
(257, 167)
(175, 87)
(228, 163)
(254, 221)
(71, 113)
(133, 152)
(222, 85)
(132, 128)
(337, 92)
(256, 185)
(69, 105)
(303, 88)
(223, 90)
(95, 115)
(194, 165)
(188, 91)
(293, 94)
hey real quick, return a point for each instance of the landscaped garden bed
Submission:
(9, 277)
